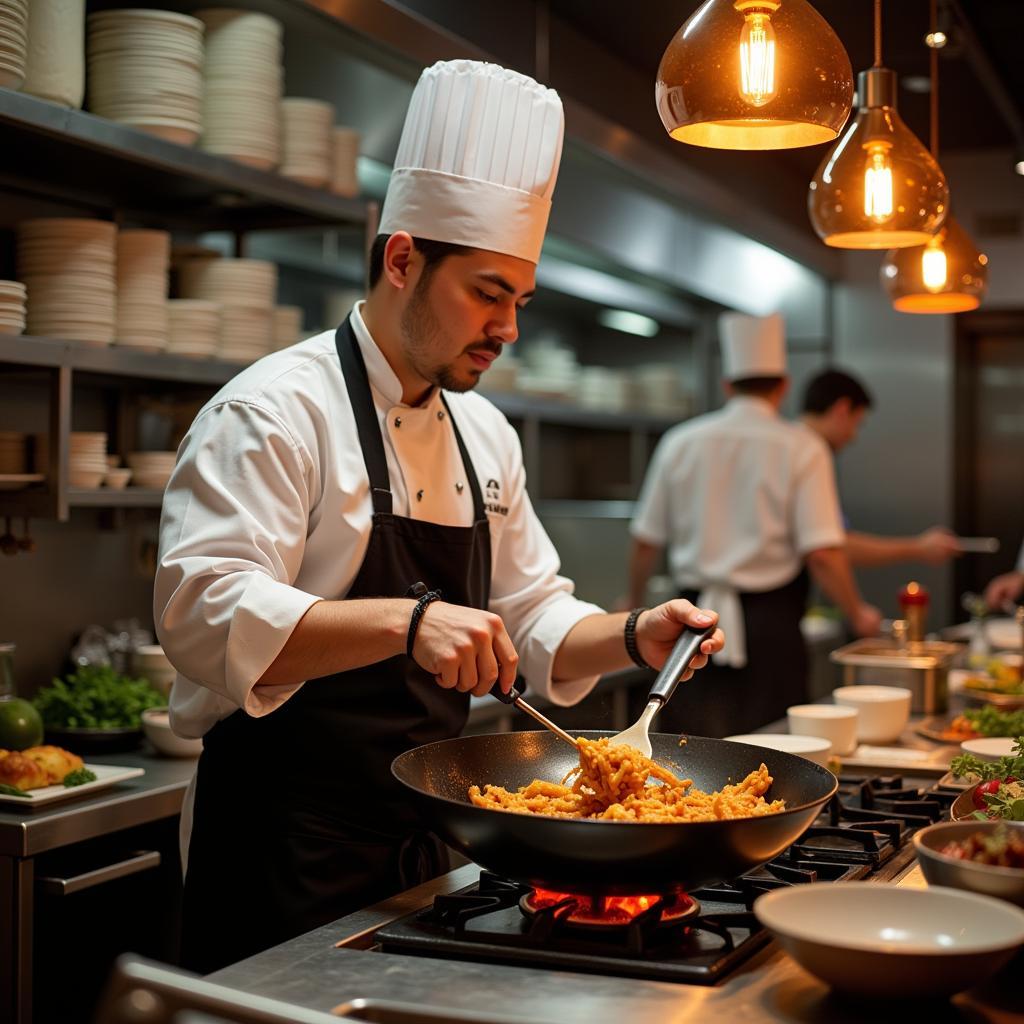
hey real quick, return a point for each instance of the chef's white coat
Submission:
(739, 497)
(268, 511)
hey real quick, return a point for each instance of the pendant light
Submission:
(947, 274)
(878, 187)
(754, 74)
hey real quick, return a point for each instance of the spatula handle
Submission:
(686, 649)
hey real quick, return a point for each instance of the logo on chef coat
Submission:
(492, 498)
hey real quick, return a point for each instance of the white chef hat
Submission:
(477, 160)
(752, 346)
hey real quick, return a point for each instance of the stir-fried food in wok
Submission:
(619, 783)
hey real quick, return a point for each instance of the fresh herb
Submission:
(1007, 802)
(990, 721)
(96, 697)
(14, 791)
(999, 794)
(1010, 765)
(79, 777)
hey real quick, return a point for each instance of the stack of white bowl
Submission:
(13, 454)
(246, 290)
(549, 369)
(68, 267)
(601, 387)
(660, 388)
(143, 262)
(344, 178)
(55, 70)
(308, 138)
(193, 328)
(151, 469)
(243, 79)
(287, 325)
(12, 307)
(13, 42)
(146, 70)
(87, 465)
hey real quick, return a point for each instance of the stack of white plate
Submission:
(287, 325)
(308, 135)
(193, 327)
(143, 260)
(243, 79)
(68, 268)
(87, 464)
(13, 453)
(12, 307)
(13, 42)
(246, 290)
(55, 68)
(344, 179)
(151, 469)
(145, 69)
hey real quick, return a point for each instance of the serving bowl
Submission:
(941, 869)
(157, 727)
(834, 722)
(989, 748)
(883, 711)
(880, 941)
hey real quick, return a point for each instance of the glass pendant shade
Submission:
(947, 275)
(878, 187)
(754, 74)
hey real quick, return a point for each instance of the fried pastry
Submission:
(55, 761)
(18, 770)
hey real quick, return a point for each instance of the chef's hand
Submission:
(1005, 589)
(866, 621)
(465, 649)
(937, 545)
(658, 629)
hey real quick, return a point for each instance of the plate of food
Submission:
(42, 775)
(974, 723)
(998, 682)
(997, 791)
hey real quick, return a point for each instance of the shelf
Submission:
(105, 497)
(549, 410)
(116, 168)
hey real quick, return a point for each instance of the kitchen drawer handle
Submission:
(142, 861)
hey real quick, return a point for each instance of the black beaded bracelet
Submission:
(629, 635)
(417, 613)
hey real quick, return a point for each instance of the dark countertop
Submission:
(157, 794)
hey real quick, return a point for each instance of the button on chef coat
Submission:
(739, 497)
(268, 511)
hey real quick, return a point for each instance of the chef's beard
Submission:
(424, 336)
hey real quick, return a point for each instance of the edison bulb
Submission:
(878, 183)
(933, 267)
(757, 59)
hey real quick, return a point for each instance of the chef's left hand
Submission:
(658, 628)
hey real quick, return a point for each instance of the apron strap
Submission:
(467, 464)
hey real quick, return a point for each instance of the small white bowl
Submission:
(834, 722)
(883, 941)
(989, 748)
(883, 710)
(157, 727)
(814, 748)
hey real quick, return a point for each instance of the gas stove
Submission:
(696, 938)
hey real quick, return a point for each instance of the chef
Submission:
(1008, 588)
(834, 406)
(348, 551)
(745, 503)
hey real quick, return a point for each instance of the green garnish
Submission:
(14, 791)
(96, 697)
(1010, 765)
(990, 721)
(79, 777)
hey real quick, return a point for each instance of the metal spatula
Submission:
(686, 649)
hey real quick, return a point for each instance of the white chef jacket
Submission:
(739, 497)
(268, 511)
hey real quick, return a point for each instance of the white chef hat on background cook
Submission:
(752, 346)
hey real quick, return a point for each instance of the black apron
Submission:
(297, 818)
(722, 701)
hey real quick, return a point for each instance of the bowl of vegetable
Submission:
(982, 856)
(998, 790)
(96, 709)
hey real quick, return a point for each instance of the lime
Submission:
(20, 724)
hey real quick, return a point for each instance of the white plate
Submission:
(106, 775)
(989, 748)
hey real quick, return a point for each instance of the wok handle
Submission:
(686, 649)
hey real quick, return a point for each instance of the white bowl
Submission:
(814, 748)
(834, 722)
(883, 710)
(883, 941)
(989, 748)
(157, 727)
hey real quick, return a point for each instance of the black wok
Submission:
(574, 855)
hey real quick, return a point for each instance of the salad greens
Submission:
(96, 697)
(990, 721)
(1000, 791)
(79, 777)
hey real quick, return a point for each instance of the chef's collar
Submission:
(751, 404)
(383, 378)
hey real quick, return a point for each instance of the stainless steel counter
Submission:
(331, 967)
